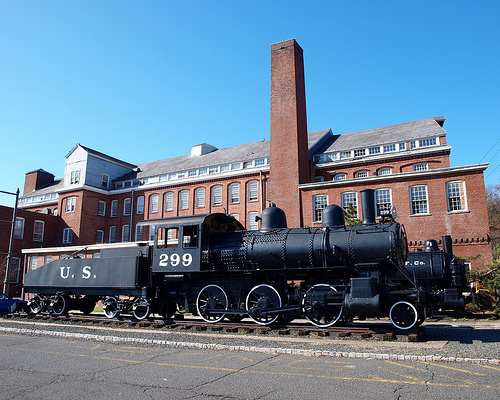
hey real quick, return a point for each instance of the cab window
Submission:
(190, 236)
(167, 238)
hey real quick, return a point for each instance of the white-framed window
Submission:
(374, 150)
(200, 197)
(225, 168)
(253, 225)
(169, 201)
(70, 204)
(127, 206)
(19, 228)
(234, 193)
(112, 234)
(455, 191)
(253, 191)
(320, 201)
(33, 263)
(184, 200)
(75, 177)
(359, 153)
(67, 236)
(213, 170)
(402, 146)
(418, 200)
(383, 200)
(423, 166)
(236, 216)
(140, 205)
(362, 174)
(389, 148)
(349, 198)
(217, 195)
(427, 142)
(385, 171)
(138, 233)
(99, 236)
(114, 208)
(47, 259)
(125, 233)
(340, 177)
(38, 230)
(153, 204)
(101, 208)
(105, 180)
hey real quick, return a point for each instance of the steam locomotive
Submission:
(211, 266)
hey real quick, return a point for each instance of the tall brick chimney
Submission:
(36, 179)
(290, 163)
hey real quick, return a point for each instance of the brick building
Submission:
(100, 199)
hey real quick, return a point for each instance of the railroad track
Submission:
(380, 330)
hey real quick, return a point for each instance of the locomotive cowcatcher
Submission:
(211, 266)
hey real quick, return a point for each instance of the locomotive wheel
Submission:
(87, 305)
(168, 309)
(59, 305)
(322, 316)
(210, 301)
(403, 315)
(141, 308)
(261, 298)
(110, 307)
(35, 304)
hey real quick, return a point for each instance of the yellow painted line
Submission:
(454, 369)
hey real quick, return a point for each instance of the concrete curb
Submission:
(254, 349)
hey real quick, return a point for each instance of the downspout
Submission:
(261, 193)
(131, 215)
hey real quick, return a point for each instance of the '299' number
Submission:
(175, 259)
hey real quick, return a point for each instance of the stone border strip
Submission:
(254, 349)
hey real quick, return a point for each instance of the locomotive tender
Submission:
(211, 266)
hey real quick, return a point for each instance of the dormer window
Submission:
(105, 180)
(75, 177)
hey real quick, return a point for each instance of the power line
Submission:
(488, 152)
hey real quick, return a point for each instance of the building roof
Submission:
(405, 132)
(101, 155)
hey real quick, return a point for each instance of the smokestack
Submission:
(368, 206)
(290, 165)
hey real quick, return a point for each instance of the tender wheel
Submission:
(211, 301)
(318, 313)
(87, 305)
(59, 305)
(110, 307)
(141, 308)
(403, 315)
(259, 300)
(168, 309)
(35, 304)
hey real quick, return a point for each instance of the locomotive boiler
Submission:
(211, 266)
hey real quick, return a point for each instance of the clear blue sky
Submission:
(146, 80)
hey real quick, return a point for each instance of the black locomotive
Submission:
(211, 266)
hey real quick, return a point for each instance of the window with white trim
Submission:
(33, 263)
(127, 206)
(67, 236)
(99, 236)
(385, 171)
(70, 204)
(125, 233)
(112, 234)
(388, 148)
(138, 233)
(402, 146)
(184, 200)
(362, 174)
(153, 205)
(234, 193)
(253, 191)
(383, 200)
(38, 230)
(169, 201)
(105, 180)
(140, 205)
(455, 191)
(320, 201)
(253, 225)
(418, 200)
(359, 153)
(74, 177)
(374, 150)
(340, 177)
(217, 195)
(200, 197)
(47, 259)
(114, 208)
(101, 208)
(19, 228)
(427, 142)
(420, 167)
(349, 198)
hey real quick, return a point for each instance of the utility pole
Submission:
(11, 242)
